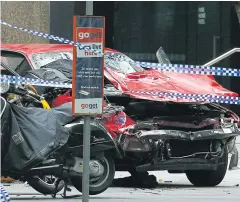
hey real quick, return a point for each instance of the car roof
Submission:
(39, 48)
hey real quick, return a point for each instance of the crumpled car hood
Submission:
(168, 82)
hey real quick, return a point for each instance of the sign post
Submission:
(88, 78)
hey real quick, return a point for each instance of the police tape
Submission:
(50, 36)
(192, 69)
(178, 68)
(4, 196)
(39, 82)
(193, 97)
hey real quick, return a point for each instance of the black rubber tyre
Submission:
(43, 187)
(103, 184)
(209, 178)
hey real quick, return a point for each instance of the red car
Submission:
(153, 132)
(124, 76)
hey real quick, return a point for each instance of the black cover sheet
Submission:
(35, 133)
(47, 74)
(61, 71)
(62, 65)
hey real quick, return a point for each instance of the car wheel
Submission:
(100, 184)
(209, 178)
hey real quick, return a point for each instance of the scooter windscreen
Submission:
(3, 105)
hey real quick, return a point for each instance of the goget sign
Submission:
(92, 34)
(88, 66)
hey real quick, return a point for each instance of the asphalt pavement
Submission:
(172, 188)
(238, 147)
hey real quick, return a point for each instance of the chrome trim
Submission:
(221, 57)
(4, 107)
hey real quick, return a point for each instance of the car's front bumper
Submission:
(181, 164)
(192, 136)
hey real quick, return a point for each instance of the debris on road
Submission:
(7, 180)
(148, 181)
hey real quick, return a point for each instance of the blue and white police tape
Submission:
(39, 82)
(50, 36)
(192, 69)
(4, 195)
(178, 68)
(193, 97)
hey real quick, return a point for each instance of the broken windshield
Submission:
(121, 62)
(162, 57)
(41, 59)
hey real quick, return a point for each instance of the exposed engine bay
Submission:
(173, 132)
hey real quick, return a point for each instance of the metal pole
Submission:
(86, 158)
(89, 7)
(215, 45)
(221, 57)
(86, 136)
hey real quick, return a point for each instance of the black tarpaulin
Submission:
(35, 133)
(62, 65)
(47, 74)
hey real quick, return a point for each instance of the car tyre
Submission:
(103, 183)
(209, 178)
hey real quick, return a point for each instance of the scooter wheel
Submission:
(43, 185)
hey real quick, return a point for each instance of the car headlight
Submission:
(4, 87)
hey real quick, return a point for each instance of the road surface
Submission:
(238, 147)
(172, 188)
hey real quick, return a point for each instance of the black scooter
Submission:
(38, 143)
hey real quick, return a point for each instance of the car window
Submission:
(121, 62)
(41, 59)
(15, 61)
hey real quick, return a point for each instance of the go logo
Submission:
(91, 35)
(89, 106)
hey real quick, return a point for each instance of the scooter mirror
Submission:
(4, 87)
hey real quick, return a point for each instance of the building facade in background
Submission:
(189, 32)
(28, 14)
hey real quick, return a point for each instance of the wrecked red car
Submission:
(150, 132)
